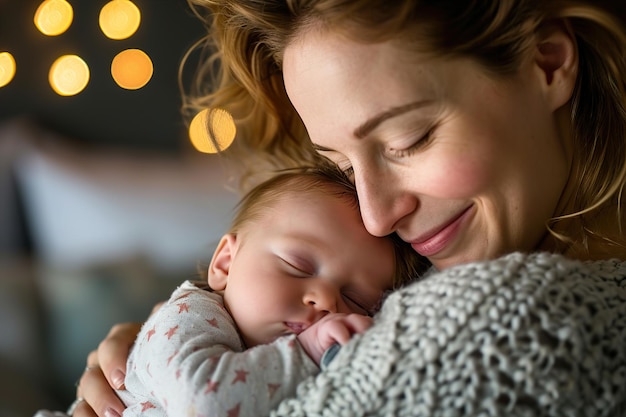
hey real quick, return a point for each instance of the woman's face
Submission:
(463, 165)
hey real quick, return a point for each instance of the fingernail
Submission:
(118, 379)
(110, 412)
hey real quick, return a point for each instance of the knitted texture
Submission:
(524, 335)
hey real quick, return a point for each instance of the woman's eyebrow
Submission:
(371, 124)
(363, 130)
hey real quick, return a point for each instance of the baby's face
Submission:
(308, 256)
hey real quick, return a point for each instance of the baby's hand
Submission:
(333, 328)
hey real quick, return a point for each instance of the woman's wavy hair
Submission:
(246, 39)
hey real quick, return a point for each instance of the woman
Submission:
(478, 131)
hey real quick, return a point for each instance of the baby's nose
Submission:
(322, 300)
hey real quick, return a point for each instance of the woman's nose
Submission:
(382, 202)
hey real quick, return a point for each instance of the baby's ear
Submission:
(220, 263)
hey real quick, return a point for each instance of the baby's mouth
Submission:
(296, 328)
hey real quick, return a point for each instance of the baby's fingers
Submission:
(358, 323)
(341, 328)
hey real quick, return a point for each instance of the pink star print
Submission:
(213, 322)
(172, 357)
(241, 376)
(211, 386)
(183, 307)
(171, 332)
(151, 333)
(146, 405)
(234, 412)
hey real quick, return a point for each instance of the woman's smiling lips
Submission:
(436, 240)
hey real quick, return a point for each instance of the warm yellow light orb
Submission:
(53, 17)
(7, 68)
(212, 123)
(131, 69)
(69, 75)
(119, 19)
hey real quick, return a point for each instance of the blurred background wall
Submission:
(105, 206)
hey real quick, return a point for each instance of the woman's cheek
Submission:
(459, 175)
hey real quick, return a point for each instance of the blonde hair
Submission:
(329, 180)
(244, 76)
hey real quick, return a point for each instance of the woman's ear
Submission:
(556, 57)
(221, 261)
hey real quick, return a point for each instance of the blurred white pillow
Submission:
(84, 208)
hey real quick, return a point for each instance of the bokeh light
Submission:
(7, 68)
(131, 69)
(53, 17)
(217, 123)
(119, 19)
(69, 75)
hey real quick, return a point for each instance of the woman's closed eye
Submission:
(414, 146)
(407, 151)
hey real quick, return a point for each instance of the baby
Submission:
(296, 274)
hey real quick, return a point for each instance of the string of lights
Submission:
(211, 130)
(69, 74)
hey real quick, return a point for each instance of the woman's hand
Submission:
(105, 372)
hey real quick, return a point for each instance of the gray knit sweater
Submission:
(524, 335)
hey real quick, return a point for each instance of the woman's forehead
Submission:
(339, 85)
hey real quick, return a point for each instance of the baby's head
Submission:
(297, 250)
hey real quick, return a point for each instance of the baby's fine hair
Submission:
(327, 179)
